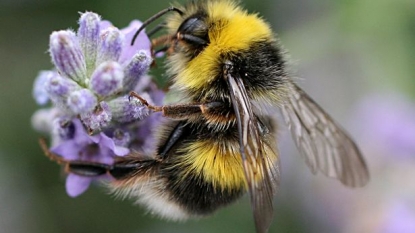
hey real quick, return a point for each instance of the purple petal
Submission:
(69, 150)
(146, 84)
(145, 132)
(76, 185)
(142, 42)
(120, 151)
(156, 94)
(142, 84)
(105, 156)
(109, 143)
(82, 138)
(104, 24)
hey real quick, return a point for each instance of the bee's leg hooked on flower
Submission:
(82, 168)
(145, 103)
(49, 154)
(211, 110)
(122, 167)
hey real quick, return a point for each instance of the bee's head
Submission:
(203, 35)
(187, 30)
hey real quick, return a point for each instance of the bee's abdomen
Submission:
(204, 171)
(196, 195)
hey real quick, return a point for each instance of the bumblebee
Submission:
(219, 142)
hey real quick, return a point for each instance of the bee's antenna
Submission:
(154, 17)
(156, 29)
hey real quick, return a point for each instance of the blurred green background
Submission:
(355, 57)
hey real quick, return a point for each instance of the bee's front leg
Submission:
(188, 111)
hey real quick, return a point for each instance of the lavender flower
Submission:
(91, 118)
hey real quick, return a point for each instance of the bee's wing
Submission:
(262, 174)
(323, 143)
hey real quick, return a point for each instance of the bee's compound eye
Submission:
(195, 27)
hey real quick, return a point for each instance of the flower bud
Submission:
(98, 119)
(125, 110)
(67, 55)
(110, 45)
(88, 34)
(82, 101)
(107, 78)
(137, 67)
(39, 91)
(59, 88)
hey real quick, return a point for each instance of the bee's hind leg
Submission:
(122, 168)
